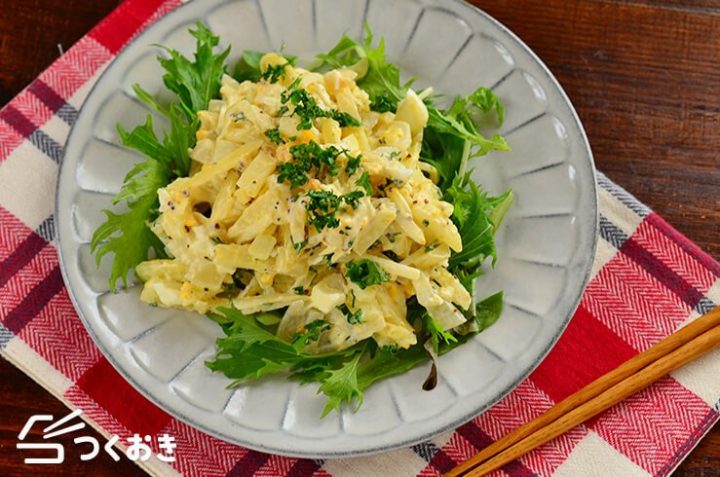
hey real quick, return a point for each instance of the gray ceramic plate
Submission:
(546, 246)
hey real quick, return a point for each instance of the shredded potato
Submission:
(238, 234)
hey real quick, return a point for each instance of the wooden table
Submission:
(644, 76)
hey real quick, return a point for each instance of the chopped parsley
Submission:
(313, 155)
(353, 163)
(274, 135)
(322, 205)
(353, 197)
(364, 182)
(248, 67)
(352, 318)
(323, 160)
(307, 109)
(344, 119)
(273, 73)
(305, 157)
(365, 273)
(294, 173)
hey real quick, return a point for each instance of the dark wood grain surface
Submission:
(644, 76)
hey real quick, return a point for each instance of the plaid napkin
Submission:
(648, 280)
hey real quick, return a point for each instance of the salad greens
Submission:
(251, 348)
(195, 82)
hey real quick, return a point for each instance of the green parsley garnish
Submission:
(273, 73)
(365, 273)
(248, 68)
(305, 106)
(305, 158)
(353, 163)
(294, 173)
(353, 197)
(343, 119)
(364, 182)
(352, 318)
(322, 206)
(274, 135)
(314, 155)
(307, 109)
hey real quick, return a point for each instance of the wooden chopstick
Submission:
(681, 356)
(669, 354)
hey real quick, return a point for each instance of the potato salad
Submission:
(334, 219)
(326, 217)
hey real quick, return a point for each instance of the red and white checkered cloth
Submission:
(648, 280)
